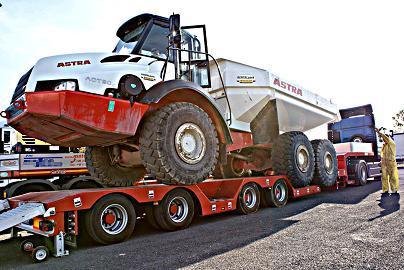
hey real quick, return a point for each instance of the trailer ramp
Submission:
(18, 215)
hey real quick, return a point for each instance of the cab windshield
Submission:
(152, 43)
(129, 41)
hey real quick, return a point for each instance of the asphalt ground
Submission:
(351, 228)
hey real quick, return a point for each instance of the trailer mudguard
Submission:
(14, 187)
(185, 91)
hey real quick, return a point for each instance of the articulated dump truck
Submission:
(161, 106)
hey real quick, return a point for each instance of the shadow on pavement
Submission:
(389, 204)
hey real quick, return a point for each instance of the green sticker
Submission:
(111, 106)
(133, 85)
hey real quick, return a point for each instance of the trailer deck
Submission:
(57, 213)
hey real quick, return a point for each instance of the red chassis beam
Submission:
(71, 118)
(214, 196)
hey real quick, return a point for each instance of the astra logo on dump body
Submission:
(288, 86)
(74, 63)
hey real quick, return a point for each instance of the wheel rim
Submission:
(328, 163)
(190, 143)
(280, 192)
(357, 139)
(237, 171)
(40, 254)
(28, 246)
(114, 219)
(363, 174)
(178, 209)
(250, 197)
(302, 158)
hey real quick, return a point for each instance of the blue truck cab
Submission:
(357, 125)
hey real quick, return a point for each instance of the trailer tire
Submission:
(150, 217)
(40, 254)
(292, 155)
(28, 245)
(248, 199)
(175, 211)
(277, 195)
(326, 163)
(179, 144)
(99, 165)
(111, 219)
(361, 173)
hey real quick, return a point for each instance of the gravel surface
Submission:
(347, 229)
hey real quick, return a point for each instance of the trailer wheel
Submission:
(277, 195)
(248, 199)
(175, 211)
(326, 163)
(100, 165)
(361, 173)
(40, 254)
(150, 217)
(111, 220)
(292, 155)
(27, 245)
(179, 144)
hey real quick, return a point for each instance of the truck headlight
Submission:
(65, 85)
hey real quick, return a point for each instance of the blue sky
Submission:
(351, 52)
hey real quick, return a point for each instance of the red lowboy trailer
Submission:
(109, 214)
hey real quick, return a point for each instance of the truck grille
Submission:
(20, 89)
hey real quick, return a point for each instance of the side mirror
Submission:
(175, 32)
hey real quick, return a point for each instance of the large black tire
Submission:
(98, 161)
(326, 163)
(105, 229)
(150, 217)
(228, 171)
(175, 212)
(163, 143)
(285, 158)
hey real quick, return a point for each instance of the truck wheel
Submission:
(99, 164)
(175, 211)
(111, 220)
(28, 245)
(361, 173)
(326, 163)
(292, 155)
(40, 254)
(248, 199)
(357, 139)
(150, 217)
(229, 171)
(277, 196)
(179, 145)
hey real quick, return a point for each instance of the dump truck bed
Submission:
(251, 90)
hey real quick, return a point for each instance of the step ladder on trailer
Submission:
(18, 215)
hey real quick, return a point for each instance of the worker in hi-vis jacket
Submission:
(389, 165)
